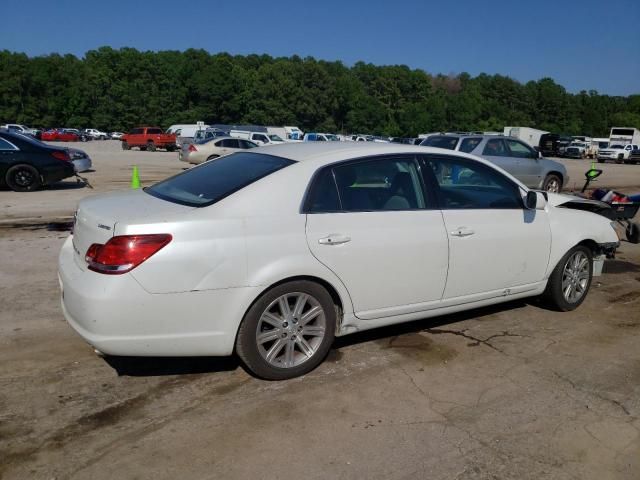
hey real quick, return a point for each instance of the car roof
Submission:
(325, 153)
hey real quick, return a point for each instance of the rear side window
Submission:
(495, 148)
(468, 145)
(137, 131)
(4, 145)
(213, 181)
(442, 142)
(367, 186)
(323, 196)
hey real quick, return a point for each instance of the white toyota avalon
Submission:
(271, 253)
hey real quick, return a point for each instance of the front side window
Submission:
(465, 184)
(520, 150)
(246, 144)
(261, 138)
(155, 131)
(495, 148)
(212, 181)
(364, 186)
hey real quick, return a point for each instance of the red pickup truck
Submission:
(149, 138)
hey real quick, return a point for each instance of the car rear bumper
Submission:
(117, 316)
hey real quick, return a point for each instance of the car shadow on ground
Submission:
(159, 366)
(416, 326)
(619, 266)
(66, 185)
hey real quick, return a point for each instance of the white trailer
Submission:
(624, 136)
(526, 134)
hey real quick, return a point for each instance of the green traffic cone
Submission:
(135, 178)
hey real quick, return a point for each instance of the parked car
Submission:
(272, 252)
(61, 135)
(576, 150)
(82, 135)
(320, 137)
(212, 148)
(618, 153)
(149, 138)
(208, 134)
(27, 164)
(516, 157)
(17, 128)
(96, 134)
(116, 135)
(259, 138)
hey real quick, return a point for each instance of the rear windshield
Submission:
(214, 180)
(442, 142)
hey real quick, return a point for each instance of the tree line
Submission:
(117, 89)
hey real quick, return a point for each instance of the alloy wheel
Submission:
(575, 277)
(290, 330)
(23, 177)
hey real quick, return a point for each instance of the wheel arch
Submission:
(331, 289)
(557, 174)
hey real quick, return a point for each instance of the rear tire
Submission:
(288, 331)
(570, 281)
(23, 178)
(151, 147)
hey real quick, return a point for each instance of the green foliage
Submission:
(118, 89)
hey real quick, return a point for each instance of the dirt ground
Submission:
(509, 392)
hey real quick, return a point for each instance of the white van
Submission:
(289, 134)
(261, 138)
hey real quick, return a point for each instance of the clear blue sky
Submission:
(583, 45)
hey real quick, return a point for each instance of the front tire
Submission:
(288, 331)
(570, 280)
(126, 146)
(633, 233)
(23, 178)
(552, 184)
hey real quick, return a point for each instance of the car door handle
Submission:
(462, 232)
(334, 240)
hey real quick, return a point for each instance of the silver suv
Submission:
(510, 154)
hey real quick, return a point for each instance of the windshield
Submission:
(275, 138)
(617, 147)
(332, 138)
(213, 181)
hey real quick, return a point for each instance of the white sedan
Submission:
(271, 253)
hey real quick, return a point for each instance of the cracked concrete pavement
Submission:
(513, 391)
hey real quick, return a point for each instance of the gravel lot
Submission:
(509, 392)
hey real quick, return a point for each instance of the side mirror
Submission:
(531, 200)
(535, 200)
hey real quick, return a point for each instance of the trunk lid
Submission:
(96, 218)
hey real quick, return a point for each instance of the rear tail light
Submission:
(123, 253)
(60, 155)
(192, 148)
